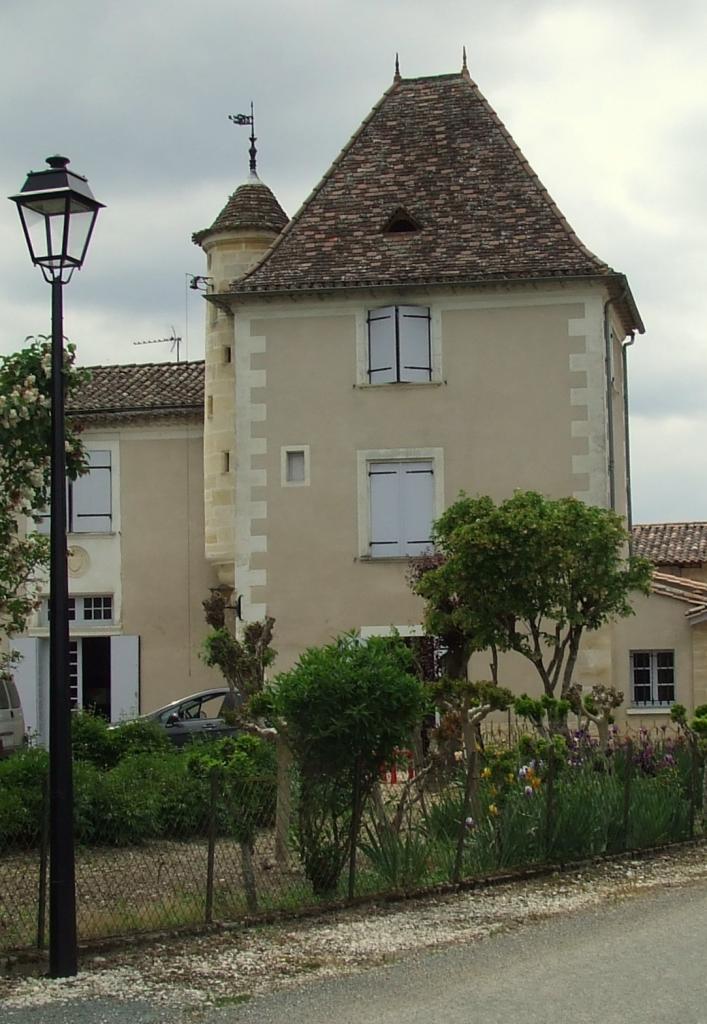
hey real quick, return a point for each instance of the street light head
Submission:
(58, 212)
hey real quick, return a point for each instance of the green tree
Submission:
(25, 427)
(347, 707)
(528, 575)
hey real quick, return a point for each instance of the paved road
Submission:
(642, 961)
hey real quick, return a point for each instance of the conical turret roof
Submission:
(430, 189)
(253, 205)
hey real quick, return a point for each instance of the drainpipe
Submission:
(624, 369)
(609, 405)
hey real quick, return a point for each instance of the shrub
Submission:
(347, 706)
(91, 739)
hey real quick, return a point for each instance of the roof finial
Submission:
(465, 69)
(248, 119)
(396, 76)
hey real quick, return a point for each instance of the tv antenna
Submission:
(173, 341)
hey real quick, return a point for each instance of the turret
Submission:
(249, 222)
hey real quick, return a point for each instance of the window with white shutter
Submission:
(399, 349)
(90, 496)
(401, 508)
(88, 499)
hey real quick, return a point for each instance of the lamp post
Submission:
(58, 212)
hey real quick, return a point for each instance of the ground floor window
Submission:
(652, 678)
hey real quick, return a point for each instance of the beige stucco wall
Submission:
(164, 575)
(521, 404)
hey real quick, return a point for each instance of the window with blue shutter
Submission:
(399, 348)
(401, 508)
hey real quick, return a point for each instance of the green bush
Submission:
(95, 742)
(91, 740)
(22, 780)
(138, 737)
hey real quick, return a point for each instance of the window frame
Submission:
(399, 455)
(653, 683)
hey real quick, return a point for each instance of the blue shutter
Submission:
(385, 509)
(417, 506)
(414, 343)
(382, 357)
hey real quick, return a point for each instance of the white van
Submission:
(12, 722)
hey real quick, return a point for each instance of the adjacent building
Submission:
(137, 572)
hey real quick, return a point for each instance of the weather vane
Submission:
(247, 119)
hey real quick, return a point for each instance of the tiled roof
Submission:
(681, 544)
(138, 390)
(252, 205)
(682, 588)
(433, 148)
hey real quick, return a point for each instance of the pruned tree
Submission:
(598, 707)
(530, 575)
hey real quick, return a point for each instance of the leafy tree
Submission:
(25, 431)
(348, 706)
(529, 575)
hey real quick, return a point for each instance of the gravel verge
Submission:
(188, 975)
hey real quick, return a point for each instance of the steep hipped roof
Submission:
(140, 390)
(433, 149)
(681, 544)
(252, 205)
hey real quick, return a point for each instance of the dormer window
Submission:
(400, 222)
(399, 345)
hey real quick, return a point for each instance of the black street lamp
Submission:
(58, 212)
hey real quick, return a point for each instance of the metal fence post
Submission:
(628, 773)
(211, 850)
(549, 805)
(43, 860)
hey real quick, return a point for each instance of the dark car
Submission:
(199, 716)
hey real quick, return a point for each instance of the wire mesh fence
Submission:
(167, 839)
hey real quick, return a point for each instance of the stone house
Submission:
(428, 322)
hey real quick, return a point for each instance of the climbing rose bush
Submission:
(25, 430)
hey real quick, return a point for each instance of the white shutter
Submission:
(91, 497)
(385, 509)
(414, 343)
(124, 677)
(417, 506)
(26, 675)
(382, 359)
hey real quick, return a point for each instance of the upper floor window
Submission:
(89, 498)
(399, 347)
(652, 678)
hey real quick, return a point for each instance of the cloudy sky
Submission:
(607, 99)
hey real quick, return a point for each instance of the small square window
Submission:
(294, 465)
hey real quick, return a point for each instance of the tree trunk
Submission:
(283, 810)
